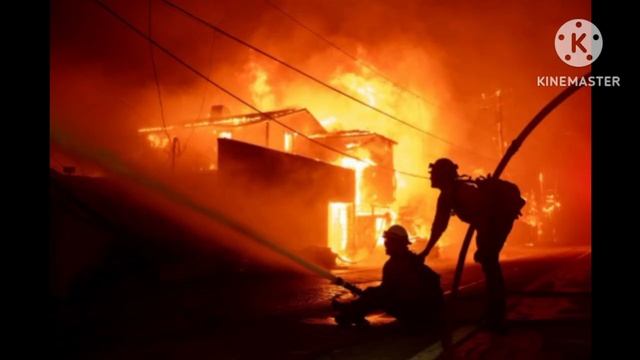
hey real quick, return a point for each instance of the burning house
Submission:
(346, 202)
(375, 181)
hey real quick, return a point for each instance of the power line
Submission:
(238, 98)
(313, 78)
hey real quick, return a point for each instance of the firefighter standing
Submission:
(491, 214)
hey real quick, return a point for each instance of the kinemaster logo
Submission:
(578, 43)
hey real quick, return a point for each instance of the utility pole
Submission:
(490, 107)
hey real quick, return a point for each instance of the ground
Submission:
(287, 316)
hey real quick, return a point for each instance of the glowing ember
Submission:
(158, 141)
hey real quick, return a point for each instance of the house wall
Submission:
(287, 194)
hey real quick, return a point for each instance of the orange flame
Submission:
(261, 91)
